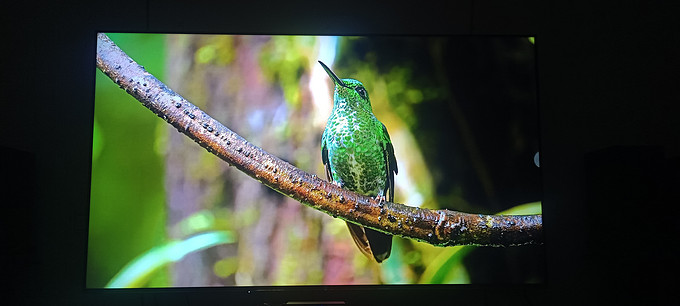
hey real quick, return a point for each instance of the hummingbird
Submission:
(358, 155)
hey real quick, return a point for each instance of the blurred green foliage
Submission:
(284, 60)
(127, 212)
(219, 51)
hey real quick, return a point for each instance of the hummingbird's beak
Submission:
(335, 78)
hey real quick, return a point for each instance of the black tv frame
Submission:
(595, 91)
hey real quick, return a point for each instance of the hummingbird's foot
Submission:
(336, 184)
(380, 198)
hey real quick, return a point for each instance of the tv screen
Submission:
(462, 118)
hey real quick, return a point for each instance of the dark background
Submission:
(608, 79)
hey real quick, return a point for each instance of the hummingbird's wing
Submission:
(380, 243)
(326, 164)
(391, 163)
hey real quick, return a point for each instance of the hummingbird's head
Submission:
(351, 91)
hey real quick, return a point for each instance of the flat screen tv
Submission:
(461, 113)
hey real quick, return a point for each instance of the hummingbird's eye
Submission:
(361, 91)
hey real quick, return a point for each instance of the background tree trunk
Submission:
(222, 76)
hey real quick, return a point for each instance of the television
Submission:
(462, 117)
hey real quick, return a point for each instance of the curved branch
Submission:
(438, 227)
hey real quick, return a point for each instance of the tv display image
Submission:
(461, 113)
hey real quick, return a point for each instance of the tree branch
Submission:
(438, 227)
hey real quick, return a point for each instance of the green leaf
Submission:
(533, 208)
(138, 271)
(447, 267)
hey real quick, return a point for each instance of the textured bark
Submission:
(437, 227)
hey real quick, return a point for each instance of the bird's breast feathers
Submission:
(355, 155)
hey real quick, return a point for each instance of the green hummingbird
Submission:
(358, 155)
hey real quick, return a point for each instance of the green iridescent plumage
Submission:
(358, 154)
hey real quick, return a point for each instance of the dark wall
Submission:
(608, 75)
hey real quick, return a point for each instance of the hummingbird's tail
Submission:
(381, 244)
(371, 242)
